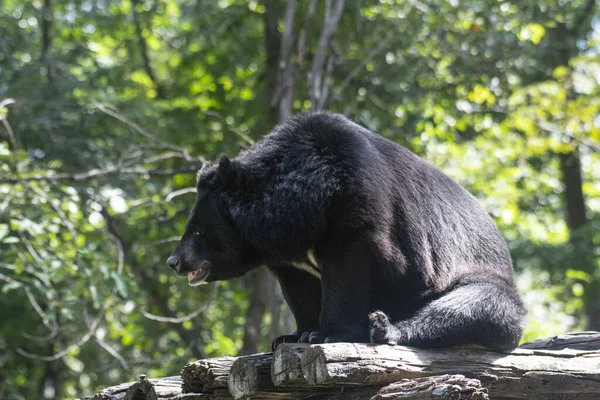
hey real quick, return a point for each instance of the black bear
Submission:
(350, 222)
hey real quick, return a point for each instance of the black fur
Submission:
(387, 231)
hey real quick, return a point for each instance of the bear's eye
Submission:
(196, 234)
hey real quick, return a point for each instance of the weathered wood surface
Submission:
(451, 387)
(168, 388)
(573, 340)
(206, 375)
(286, 369)
(563, 367)
(523, 373)
(155, 389)
(112, 393)
(249, 376)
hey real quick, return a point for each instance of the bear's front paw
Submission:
(381, 329)
(337, 336)
(284, 339)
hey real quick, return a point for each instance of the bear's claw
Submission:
(379, 324)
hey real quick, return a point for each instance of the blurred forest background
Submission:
(109, 107)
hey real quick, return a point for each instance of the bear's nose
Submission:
(173, 262)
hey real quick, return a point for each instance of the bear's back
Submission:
(322, 169)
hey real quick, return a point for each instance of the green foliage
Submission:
(121, 101)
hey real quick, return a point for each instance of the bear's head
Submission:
(212, 248)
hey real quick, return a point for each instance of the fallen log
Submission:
(573, 340)
(155, 389)
(168, 388)
(563, 367)
(111, 393)
(521, 374)
(205, 376)
(452, 387)
(249, 376)
(286, 369)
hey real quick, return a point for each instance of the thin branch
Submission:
(110, 350)
(173, 320)
(220, 117)
(325, 88)
(332, 18)
(46, 338)
(11, 136)
(170, 239)
(5, 103)
(36, 306)
(553, 129)
(66, 222)
(95, 173)
(6, 202)
(42, 276)
(179, 192)
(119, 249)
(382, 45)
(134, 158)
(9, 279)
(304, 32)
(74, 346)
(113, 113)
(37, 258)
(212, 295)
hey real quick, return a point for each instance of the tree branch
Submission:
(382, 45)
(332, 17)
(584, 18)
(160, 92)
(113, 113)
(96, 173)
(74, 346)
(304, 32)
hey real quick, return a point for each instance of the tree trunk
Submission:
(47, 21)
(258, 282)
(581, 254)
(160, 92)
(272, 48)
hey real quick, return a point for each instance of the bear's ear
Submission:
(229, 172)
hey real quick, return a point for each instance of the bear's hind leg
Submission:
(479, 310)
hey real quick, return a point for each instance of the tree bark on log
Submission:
(250, 375)
(573, 340)
(563, 367)
(521, 374)
(111, 393)
(148, 389)
(155, 389)
(206, 375)
(286, 369)
(450, 387)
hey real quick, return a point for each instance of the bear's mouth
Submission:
(198, 276)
